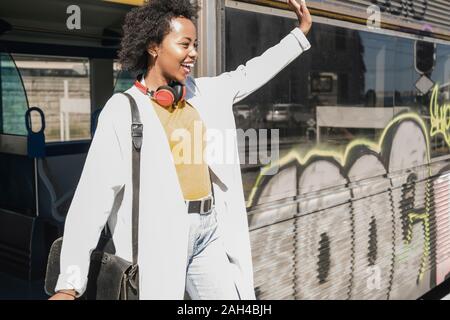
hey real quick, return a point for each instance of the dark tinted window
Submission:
(350, 85)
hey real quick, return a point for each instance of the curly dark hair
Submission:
(147, 25)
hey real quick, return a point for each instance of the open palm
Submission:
(302, 13)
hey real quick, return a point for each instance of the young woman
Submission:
(193, 229)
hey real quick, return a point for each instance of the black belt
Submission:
(200, 206)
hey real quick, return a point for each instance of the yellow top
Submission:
(185, 132)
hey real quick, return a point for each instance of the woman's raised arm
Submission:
(259, 70)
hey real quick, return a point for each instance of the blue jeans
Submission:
(207, 271)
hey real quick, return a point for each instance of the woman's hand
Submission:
(303, 15)
(63, 295)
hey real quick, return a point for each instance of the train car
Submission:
(354, 203)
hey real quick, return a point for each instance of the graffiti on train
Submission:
(439, 116)
(405, 8)
(369, 222)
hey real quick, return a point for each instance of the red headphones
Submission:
(166, 96)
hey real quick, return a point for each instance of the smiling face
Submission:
(177, 53)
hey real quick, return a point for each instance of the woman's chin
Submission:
(182, 78)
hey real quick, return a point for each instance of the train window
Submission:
(425, 93)
(330, 96)
(13, 101)
(60, 86)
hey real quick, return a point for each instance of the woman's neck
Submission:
(155, 79)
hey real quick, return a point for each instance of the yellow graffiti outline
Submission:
(425, 218)
(339, 156)
(342, 157)
(439, 121)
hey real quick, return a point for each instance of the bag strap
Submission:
(137, 136)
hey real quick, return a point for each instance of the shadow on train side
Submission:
(372, 222)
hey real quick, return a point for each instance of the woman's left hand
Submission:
(303, 15)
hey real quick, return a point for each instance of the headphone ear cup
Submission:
(165, 96)
(180, 91)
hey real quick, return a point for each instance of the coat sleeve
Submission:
(100, 181)
(258, 71)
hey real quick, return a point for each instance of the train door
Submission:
(19, 226)
(46, 129)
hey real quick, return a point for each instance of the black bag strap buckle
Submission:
(136, 134)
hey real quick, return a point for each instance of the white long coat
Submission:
(163, 225)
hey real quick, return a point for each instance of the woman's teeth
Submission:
(187, 67)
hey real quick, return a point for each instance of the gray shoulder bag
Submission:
(110, 277)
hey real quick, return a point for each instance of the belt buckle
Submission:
(203, 202)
